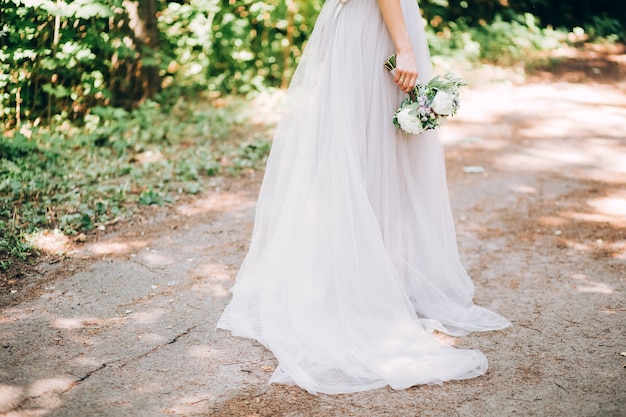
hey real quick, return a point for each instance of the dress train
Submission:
(353, 259)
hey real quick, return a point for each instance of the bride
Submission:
(353, 261)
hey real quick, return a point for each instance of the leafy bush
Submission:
(243, 47)
(607, 28)
(564, 14)
(62, 58)
(502, 42)
(78, 176)
(55, 57)
(12, 246)
(518, 40)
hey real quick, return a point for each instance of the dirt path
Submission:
(537, 174)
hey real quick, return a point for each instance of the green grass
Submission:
(76, 176)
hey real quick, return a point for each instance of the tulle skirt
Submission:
(353, 259)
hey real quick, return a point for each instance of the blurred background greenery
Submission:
(107, 105)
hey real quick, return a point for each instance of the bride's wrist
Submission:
(404, 50)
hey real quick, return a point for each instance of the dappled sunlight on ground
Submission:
(9, 396)
(42, 386)
(152, 338)
(213, 289)
(68, 323)
(217, 202)
(213, 272)
(46, 391)
(50, 241)
(583, 284)
(571, 140)
(613, 206)
(213, 279)
(192, 405)
(597, 217)
(152, 316)
(553, 137)
(606, 120)
(552, 221)
(603, 63)
(86, 361)
(150, 258)
(523, 189)
(204, 352)
(598, 225)
(539, 111)
(601, 159)
(115, 246)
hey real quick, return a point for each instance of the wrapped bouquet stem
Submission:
(428, 105)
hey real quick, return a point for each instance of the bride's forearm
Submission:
(406, 66)
(394, 20)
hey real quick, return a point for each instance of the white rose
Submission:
(408, 122)
(442, 103)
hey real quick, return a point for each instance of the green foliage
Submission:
(12, 246)
(243, 47)
(501, 42)
(607, 28)
(55, 57)
(250, 155)
(78, 176)
(150, 197)
(62, 58)
(555, 13)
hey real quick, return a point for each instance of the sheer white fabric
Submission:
(353, 233)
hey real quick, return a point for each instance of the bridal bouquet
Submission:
(427, 105)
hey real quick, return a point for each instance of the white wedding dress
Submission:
(353, 260)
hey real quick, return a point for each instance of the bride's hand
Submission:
(406, 70)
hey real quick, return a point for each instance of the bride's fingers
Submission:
(400, 77)
(407, 82)
(413, 82)
(403, 78)
(406, 79)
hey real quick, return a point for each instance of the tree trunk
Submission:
(140, 79)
